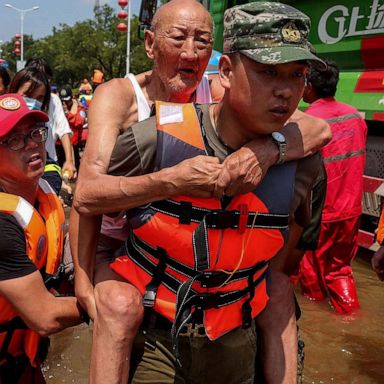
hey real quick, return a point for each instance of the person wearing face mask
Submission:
(76, 116)
(33, 85)
(31, 245)
(58, 127)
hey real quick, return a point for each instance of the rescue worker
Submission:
(326, 271)
(201, 262)
(33, 84)
(117, 104)
(76, 116)
(31, 226)
(58, 127)
(97, 79)
(378, 257)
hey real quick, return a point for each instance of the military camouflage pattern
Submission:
(268, 32)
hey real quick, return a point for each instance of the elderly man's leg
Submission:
(119, 315)
(277, 333)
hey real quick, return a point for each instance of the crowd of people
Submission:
(191, 218)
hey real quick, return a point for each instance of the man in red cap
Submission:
(31, 222)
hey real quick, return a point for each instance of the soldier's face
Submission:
(182, 46)
(265, 96)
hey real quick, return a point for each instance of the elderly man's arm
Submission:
(245, 168)
(97, 192)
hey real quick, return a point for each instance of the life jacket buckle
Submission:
(243, 219)
(193, 330)
(149, 298)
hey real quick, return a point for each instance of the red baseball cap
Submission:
(12, 109)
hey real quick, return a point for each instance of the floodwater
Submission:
(338, 350)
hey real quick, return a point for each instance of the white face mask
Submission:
(33, 104)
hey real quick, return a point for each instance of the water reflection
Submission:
(338, 349)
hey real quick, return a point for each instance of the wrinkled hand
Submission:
(378, 263)
(244, 169)
(196, 177)
(85, 295)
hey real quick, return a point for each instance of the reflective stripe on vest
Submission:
(219, 255)
(53, 168)
(44, 245)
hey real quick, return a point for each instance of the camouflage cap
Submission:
(268, 32)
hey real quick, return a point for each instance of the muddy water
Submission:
(338, 349)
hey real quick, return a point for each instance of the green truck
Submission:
(350, 32)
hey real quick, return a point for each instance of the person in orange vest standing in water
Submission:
(327, 271)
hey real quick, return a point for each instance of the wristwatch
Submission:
(279, 139)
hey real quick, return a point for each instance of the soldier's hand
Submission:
(244, 169)
(196, 177)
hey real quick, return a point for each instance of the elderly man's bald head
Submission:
(171, 9)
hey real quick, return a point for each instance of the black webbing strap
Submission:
(157, 277)
(219, 218)
(149, 266)
(246, 309)
(201, 247)
(208, 279)
(188, 300)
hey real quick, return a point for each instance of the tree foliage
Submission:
(74, 51)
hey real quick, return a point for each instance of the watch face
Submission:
(278, 137)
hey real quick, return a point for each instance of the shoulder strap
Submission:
(143, 108)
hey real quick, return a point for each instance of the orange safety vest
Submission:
(44, 237)
(189, 253)
(380, 229)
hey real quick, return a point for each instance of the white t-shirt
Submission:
(58, 125)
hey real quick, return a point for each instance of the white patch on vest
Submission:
(23, 213)
(45, 186)
(170, 114)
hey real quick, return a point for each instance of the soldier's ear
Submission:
(225, 71)
(149, 40)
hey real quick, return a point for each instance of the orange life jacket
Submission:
(192, 253)
(380, 229)
(44, 237)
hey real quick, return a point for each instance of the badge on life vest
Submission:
(10, 103)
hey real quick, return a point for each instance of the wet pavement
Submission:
(338, 349)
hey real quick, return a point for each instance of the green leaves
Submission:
(74, 51)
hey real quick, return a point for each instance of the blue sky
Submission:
(51, 13)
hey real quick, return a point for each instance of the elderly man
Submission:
(31, 226)
(201, 264)
(180, 43)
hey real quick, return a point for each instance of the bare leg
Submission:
(278, 333)
(119, 315)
